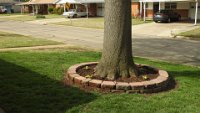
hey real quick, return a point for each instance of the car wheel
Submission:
(156, 21)
(75, 16)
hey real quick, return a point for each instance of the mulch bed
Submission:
(146, 73)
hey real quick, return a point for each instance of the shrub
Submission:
(40, 16)
(50, 9)
(58, 10)
(54, 11)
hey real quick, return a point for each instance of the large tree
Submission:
(117, 60)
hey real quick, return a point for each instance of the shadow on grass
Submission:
(187, 73)
(25, 91)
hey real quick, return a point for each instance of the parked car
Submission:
(3, 10)
(166, 16)
(74, 13)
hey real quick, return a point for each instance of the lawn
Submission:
(10, 14)
(192, 34)
(26, 17)
(9, 40)
(93, 22)
(30, 82)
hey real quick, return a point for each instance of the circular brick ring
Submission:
(152, 86)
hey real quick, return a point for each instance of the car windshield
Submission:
(72, 10)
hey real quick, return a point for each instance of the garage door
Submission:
(100, 9)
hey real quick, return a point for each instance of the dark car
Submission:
(166, 16)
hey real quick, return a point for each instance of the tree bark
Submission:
(117, 60)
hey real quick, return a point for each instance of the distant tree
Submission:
(117, 60)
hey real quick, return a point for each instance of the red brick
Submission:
(72, 76)
(163, 73)
(149, 84)
(95, 83)
(78, 80)
(71, 70)
(136, 85)
(161, 79)
(122, 86)
(85, 82)
(108, 85)
(157, 81)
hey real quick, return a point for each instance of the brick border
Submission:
(153, 86)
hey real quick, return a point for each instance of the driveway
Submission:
(162, 29)
(153, 47)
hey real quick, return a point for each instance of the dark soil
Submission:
(149, 72)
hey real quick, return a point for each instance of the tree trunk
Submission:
(117, 60)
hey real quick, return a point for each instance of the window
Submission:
(147, 5)
(170, 5)
(193, 5)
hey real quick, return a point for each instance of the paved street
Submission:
(154, 47)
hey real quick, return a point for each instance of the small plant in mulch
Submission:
(145, 77)
(88, 76)
(86, 67)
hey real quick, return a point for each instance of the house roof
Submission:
(164, 0)
(31, 2)
(7, 2)
(79, 1)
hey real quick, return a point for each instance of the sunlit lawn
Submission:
(10, 40)
(30, 82)
(93, 22)
(192, 33)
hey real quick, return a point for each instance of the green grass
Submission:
(192, 34)
(10, 14)
(30, 83)
(26, 17)
(84, 22)
(93, 22)
(9, 40)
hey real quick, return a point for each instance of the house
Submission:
(93, 7)
(38, 6)
(188, 9)
(9, 5)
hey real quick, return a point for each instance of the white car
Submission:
(3, 10)
(74, 13)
